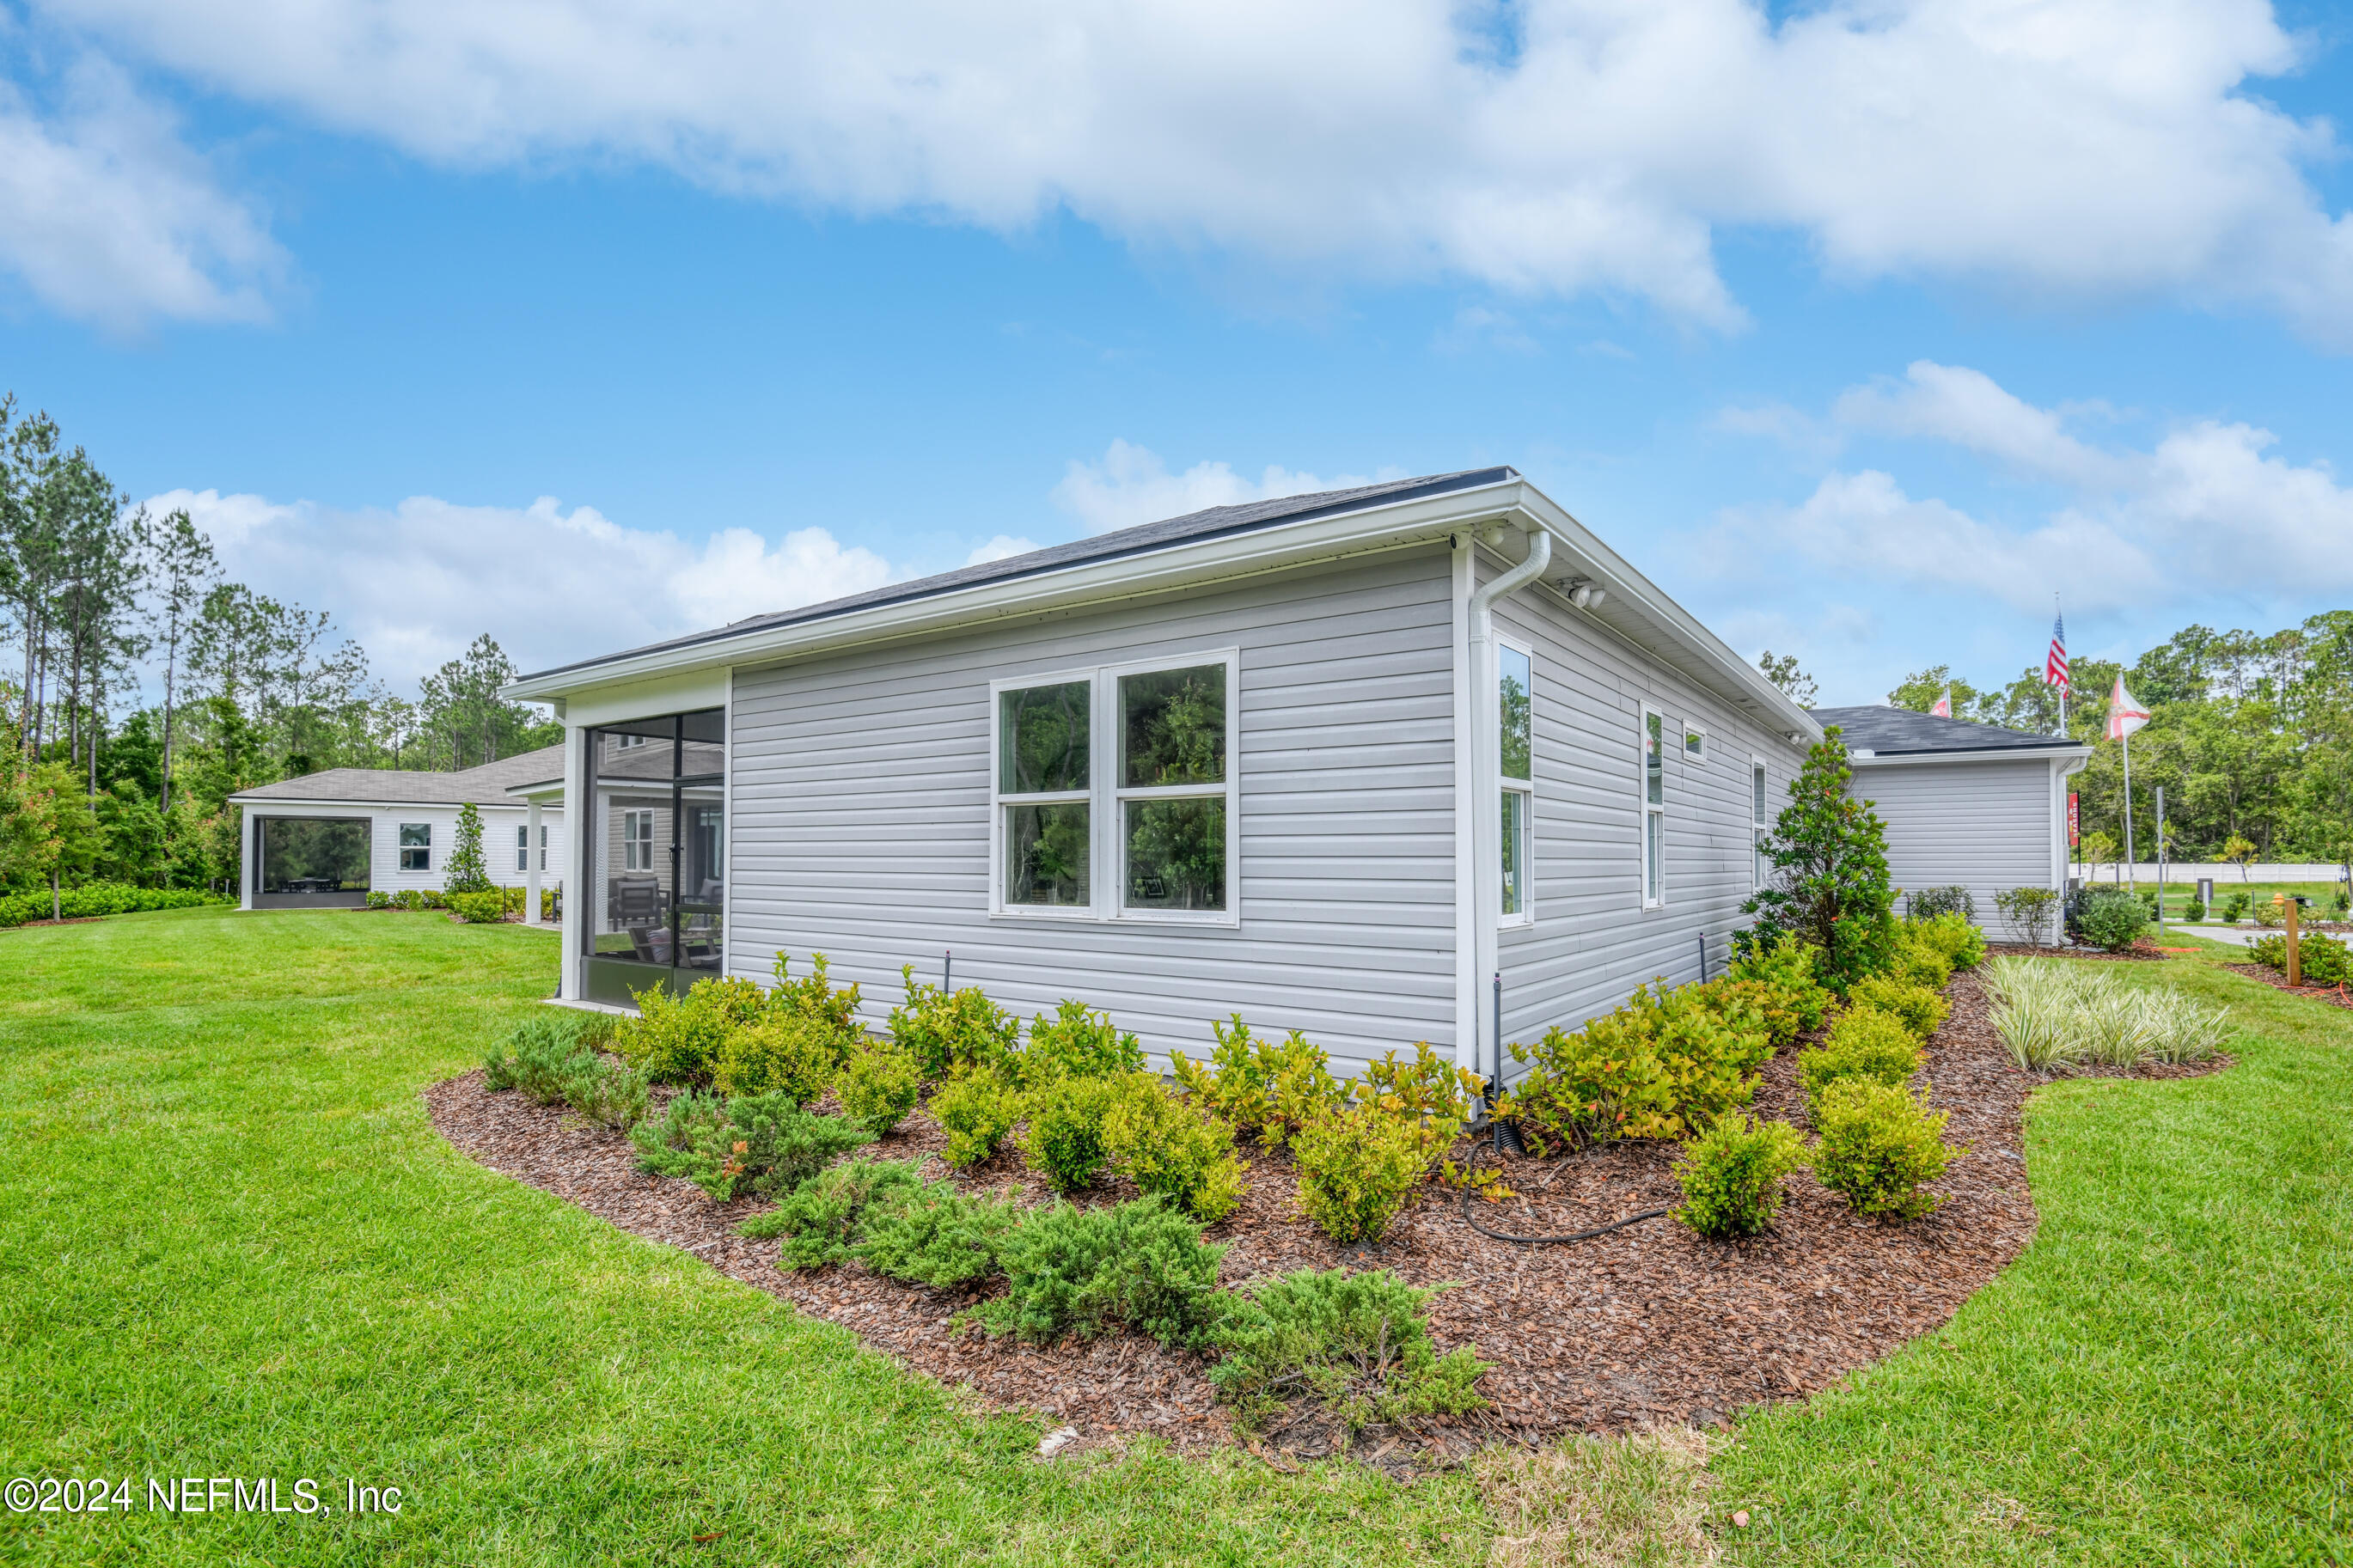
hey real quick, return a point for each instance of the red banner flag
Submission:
(2075, 822)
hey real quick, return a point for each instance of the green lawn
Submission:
(231, 1245)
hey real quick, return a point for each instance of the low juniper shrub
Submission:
(952, 1032)
(933, 1234)
(819, 1219)
(879, 1083)
(1356, 1171)
(1171, 1149)
(1879, 1147)
(1921, 1009)
(1865, 1043)
(534, 1056)
(1080, 1271)
(1359, 1343)
(1731, 1174)
(763, 1143)
(975, 1112)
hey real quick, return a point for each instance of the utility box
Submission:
(2206, 891)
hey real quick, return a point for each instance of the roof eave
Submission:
(1978, 754)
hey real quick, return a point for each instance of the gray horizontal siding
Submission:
(1985, 826)
(1592, 942)
(861, 802)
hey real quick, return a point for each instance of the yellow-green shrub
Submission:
(1921, 1009)
(879, 1084)
(1865, 1043)
(1171, 1149)
(1428, 1093)
(1878, 1146)
(1731, 1174)
(1665, 1063)
(1786, 965)
(782, 1053)
(1961, 944)
(1269, 1089)
(1357, 1170)
(678, 1039)
(975, 1112)
(950, 1032)
(1921, 962)
(1064, 1141)
(815, 999)
(1076, 1042)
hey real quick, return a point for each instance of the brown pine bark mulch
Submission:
(1644, 1326)
(2334, 995)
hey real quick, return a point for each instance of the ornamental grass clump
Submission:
(1731, 1174)
(2053, 1014)
(1260, 1085)
(1356, 1171)
(1879, 1147)
(763, 1143)
(952, 1032)
(933, 1234)
(820, 1219)
(1140, 1265)
(1170, 1149)
(1357, 1344)
(879, 1082)
(1920, 1009)
(1865, 1043)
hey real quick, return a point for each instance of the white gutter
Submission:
(1993, 754)
(1486, 793)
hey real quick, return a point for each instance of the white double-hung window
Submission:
(1515, 739)
(638, 840)
(1654, 805)
(1763, 865)
(1127, 768)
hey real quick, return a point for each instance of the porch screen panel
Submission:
(656, 852)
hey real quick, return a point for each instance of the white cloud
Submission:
(999, 549)
(106, 217)
(1133, 485)
(414, 583)
(2084, 148)
(2208, 511)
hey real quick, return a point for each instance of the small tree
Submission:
(2238, 852)
(1830, 882)
(467, 873)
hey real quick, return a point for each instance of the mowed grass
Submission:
(231, 1245)
(2166, 1375)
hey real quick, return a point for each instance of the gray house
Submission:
(1337, 763)
(1973, 805)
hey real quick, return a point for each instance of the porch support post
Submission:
(532, 858)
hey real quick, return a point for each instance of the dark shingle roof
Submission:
(485, 786)
(1211, 523)
(1898, 731)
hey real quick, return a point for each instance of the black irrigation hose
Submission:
(1570, 1235)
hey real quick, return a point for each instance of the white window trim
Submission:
(522, 847)
(1106, 799)
(1758, 823)
(1524, 788)
(401, 849)
(1647, 811)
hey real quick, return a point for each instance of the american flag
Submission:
(2054, 668)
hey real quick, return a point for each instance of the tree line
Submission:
(2250, 734)
(143, 688)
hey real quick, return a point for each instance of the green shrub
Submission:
(409, 899)
(788, 1052)
(976, 1113)
(678, 1039)
(534, 1056)
(1358, 1342)
(761, 1142)
(950, 1033)
(2111, 919)
(2235, 907)
(2323, 959)
(616, 1096)
(431, 898)
(1076, 1042)
(1921, 1009)
(879, 1085)
(1356, 1171)
(1259, 1086)
(1777, 979)
(2029, 912)
(1065, 1138)
(1919, 962)
(1952, 901)
(1878, 1147)
(1080, 1271)
(819, 1219)
(1663, 1064)
(2194, 910)
(478, 909)
(1731, 1174)
(1830, 882)
(378, 898)
(92, 899)
(1170, 1150)
(1428, 1093)
(815, 999)
(1865, 1043)
(933, 1234)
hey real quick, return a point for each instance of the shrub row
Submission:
(92, 898)
(2322, 959)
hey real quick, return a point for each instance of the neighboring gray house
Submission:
(1334, 761)
(1970, 805)
(328, 839)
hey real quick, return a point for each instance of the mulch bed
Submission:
(1644, 1326)
(2144, 950)
(2334, 995)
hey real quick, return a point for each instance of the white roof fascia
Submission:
(372, 804)
(1993, 754)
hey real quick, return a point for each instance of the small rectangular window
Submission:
(1654, 805)
(1515, 752)
(638, 840)
(522, 848)
(1759, 827)
(416, 846)
(1044, 734)
(1172, 789)
(1694, 743)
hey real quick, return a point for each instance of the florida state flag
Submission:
(2125, 715)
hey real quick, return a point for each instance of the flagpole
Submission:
(2128, 836)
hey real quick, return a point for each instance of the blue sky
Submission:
(1859, 331)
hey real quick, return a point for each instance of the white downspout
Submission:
(1486, 789)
